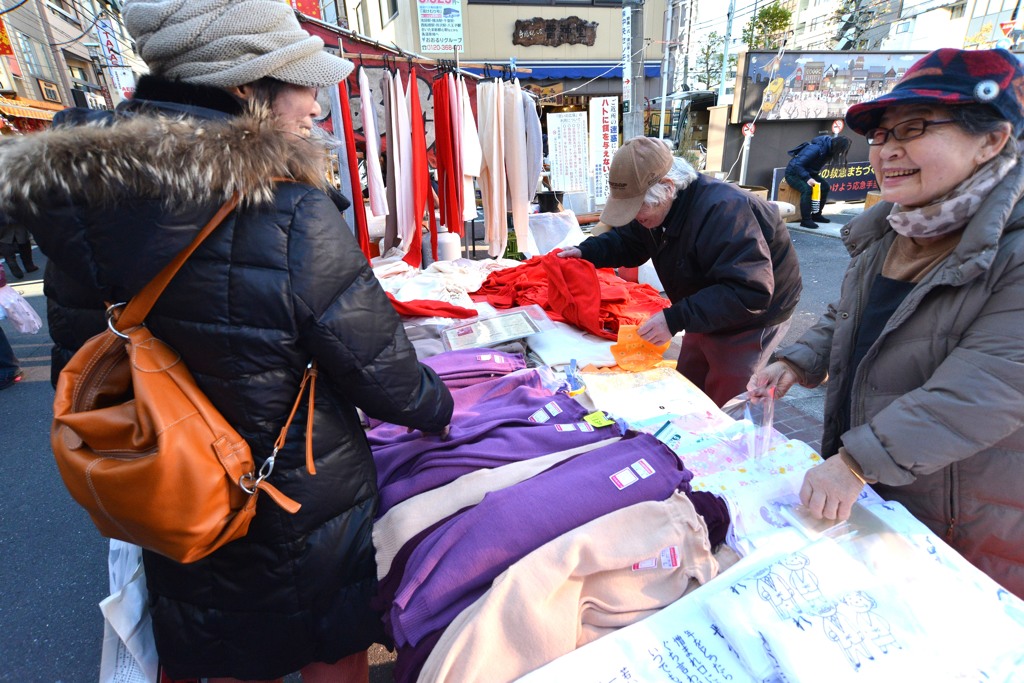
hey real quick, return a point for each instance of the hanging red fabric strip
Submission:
(420, 179)
(441, 146)
(362, 229)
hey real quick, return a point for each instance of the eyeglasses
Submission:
(903, 131)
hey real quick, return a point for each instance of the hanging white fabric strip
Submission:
(534, 144)
(342, 151)
(374, 175)
(515, 167)
(472, 155)
(489, 98)
(407, 223)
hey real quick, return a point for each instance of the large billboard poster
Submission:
(814, 85)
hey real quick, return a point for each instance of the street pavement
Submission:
(53, 563)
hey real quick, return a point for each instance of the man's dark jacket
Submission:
(723, 256)
(810, 157)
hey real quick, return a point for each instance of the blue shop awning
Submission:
(556, 71)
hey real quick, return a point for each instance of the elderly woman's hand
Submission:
(773, 381)
(655, 330)
(570, 252)
(831, 488)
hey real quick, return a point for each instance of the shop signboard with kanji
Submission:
(604, 140)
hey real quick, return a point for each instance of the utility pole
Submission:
(725, 50)
(666, 53)
(632, 68)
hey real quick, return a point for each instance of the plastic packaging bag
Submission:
(760, 412)
(129, 650)
(21, 313)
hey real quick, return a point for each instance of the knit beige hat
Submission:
(636, 167)
(226, 43)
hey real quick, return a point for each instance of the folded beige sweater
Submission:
(609, 573)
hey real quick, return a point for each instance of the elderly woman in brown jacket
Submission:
(924, 351)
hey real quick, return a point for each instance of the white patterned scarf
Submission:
(953, 210)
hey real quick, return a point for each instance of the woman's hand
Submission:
(655, 330)
(831, 488)
(571, 252)
(811, 182)
(774, 380)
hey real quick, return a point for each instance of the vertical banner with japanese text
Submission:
(122, 80)
(627, 57)
(440, 25)
(604, 140)
(567, 151)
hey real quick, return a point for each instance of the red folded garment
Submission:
(573, 291)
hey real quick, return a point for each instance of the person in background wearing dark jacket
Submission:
(229, 107)
(14, 242)
(923, 348)
(723, 256)
(802, 173)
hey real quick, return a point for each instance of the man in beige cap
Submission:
(723, 255)
(228, 108)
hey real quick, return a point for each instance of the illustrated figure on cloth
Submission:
(875, 628)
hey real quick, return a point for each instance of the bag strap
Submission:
(308, 377)
(141, 304)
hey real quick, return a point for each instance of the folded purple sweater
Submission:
(455, 564)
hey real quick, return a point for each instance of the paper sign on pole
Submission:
(604, 140)
(440, 25)
(122, 80)
(837, 126)
(627, 54)
(567, 150)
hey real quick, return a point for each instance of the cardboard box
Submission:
(874, 196)
(759, 191)
(790, 196)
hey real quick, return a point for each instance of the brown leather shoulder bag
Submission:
(143, 450)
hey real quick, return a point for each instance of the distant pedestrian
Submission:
(15, 241)
(803, 172)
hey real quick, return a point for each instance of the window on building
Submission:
(388, 10)
(957, 11)
(49, 90)
(332, 12)
(29, 56)
(77, 73)
(801, 27)
(361, 18)
(815, 24)
(902, 27)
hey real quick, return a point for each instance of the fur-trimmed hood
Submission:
(183, 161)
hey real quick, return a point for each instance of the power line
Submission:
(11, 9)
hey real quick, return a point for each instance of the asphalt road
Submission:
(53, 564)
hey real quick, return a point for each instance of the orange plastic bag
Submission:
(634, 354)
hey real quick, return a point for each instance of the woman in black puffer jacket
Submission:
(280, 283)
